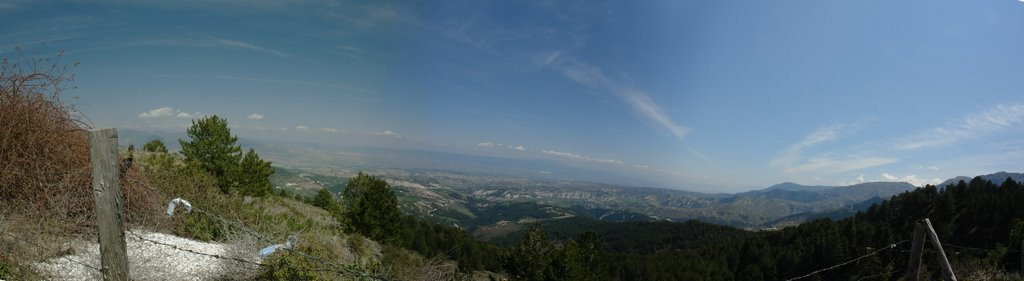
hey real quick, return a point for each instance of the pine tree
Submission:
(154, 146)
(253, 175)
(371, 208)
(213, 149)
(532, 257)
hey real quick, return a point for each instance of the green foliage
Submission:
(569, 263)
(537, 258)
(531, 260)
(286, 265)
(253, 175)
(434, 240)
(201, 227)
(324, 199)
(154, 146)
(4, 271)
(213, 147)
(371, 208)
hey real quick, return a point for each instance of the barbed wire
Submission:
(176, 247)
(240, 260)
(342, 268)
(50, 250)
(890, 246)
(880, 274)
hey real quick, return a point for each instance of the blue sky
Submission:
(716, 96)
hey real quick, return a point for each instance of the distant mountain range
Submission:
(996, 178)
(436, 181)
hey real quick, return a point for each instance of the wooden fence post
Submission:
(947, 270)
(106, 189)
(917, 250)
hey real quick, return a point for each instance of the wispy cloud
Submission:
(498, 145)
(212, 42)
(159, 112)
(912, 179)
(547, 58)
(583, 73)
(857, 180)
(792, 153)
(791, 159)
(827, 164)
(574, 156)
(651, 110)
(168, 112)
(301, 127)
(265, 80)
(249, 46)
(388, 133)
(972, 126)
(593, 77)
(255, 116)
(330, 130)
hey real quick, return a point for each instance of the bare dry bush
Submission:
(45, 174)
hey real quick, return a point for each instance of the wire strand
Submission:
(891, 246)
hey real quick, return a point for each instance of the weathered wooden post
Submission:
(917, 250)
(947, 270)
(106, 189)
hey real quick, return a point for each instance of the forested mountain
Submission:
(980, 222)
(996, 178)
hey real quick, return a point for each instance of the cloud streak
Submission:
(158, 113)
(167, 111)
(574, 156)
(640, 102)
(388, 133)
(213, 42)
(792, 153)
(249, 46)
(790, 158)
(255, 116)
(912, 179)
(972, 126)
(643, 104)
(830, 165)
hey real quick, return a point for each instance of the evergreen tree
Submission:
(213, 149)
(532, 257)
(325, 200)
(570, 263)
(371, 208)
(592, 257)
(154, 146)
(253, 175)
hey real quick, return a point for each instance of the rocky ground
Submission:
(152, 261)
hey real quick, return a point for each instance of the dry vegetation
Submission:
(45, 176)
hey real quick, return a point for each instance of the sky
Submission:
(715, 96)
